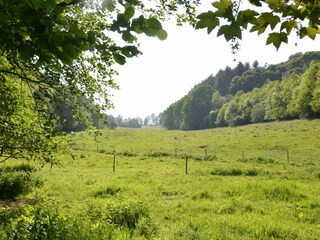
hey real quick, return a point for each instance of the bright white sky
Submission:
(168, 69)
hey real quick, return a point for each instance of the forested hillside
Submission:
(250, 93)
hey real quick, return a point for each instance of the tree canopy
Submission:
(69, 46)
(278, 17)
(250, 94)
(64, 51)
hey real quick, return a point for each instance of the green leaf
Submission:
(138, 24)
(289, 25)
(154, 23)
(91, 37)
(122, 21)
(64, 57)
(207, 15)
(256, 2)
(120, 59)
(35, 4)
(151, 32)
(207, 20)
(71, 51)
(222, 5)
(224, 9)
(130, 51)
(51, 3)
(312, 32)
(277, 38)
(129, 12)
(237, 32)
(26, 53)
(227, 31)
(108, 4)
(162, 34)
(258, 28)
(266, 19)
(247, 16)
(128, 37)
(83, 46)
(274, 4)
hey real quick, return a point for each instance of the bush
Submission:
(127, 154)
(24, 167)
(235, 172)
(43, 222)
(13, 184)
(227, 172)
(204, 158)
(283, 193)
(109, 191)
(261, 160)
(158, 154)
(32, 223)
(127, 214)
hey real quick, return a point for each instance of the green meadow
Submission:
(258, 181)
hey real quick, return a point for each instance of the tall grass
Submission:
(248, 190)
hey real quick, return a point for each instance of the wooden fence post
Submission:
(114, 162)
(187, 158)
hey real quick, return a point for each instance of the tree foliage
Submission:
(244, 95)
(64, 51)
(195, 108)
(25, 129)
(279, 18)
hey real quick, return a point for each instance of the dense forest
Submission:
(250, 93)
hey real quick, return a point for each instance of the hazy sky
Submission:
(168, 69)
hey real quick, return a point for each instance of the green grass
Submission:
(244, 188)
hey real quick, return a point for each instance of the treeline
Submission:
(70, 119)
(250, 94)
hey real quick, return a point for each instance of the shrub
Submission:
(234, 172)
(109, 191)
(127, 214)
(158, 154)
(251, 172)
(43, 222)
(13, 184)
(127, 154)
(227, 172)
(32, 223)
(202, 195)
(210, 158)
(24, 167)
(283, 193)
(261, 160)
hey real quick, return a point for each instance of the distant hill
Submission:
(250, 93)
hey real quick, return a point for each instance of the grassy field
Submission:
(253, 182)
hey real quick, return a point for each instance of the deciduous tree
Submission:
(66, 50)
(279, 18)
